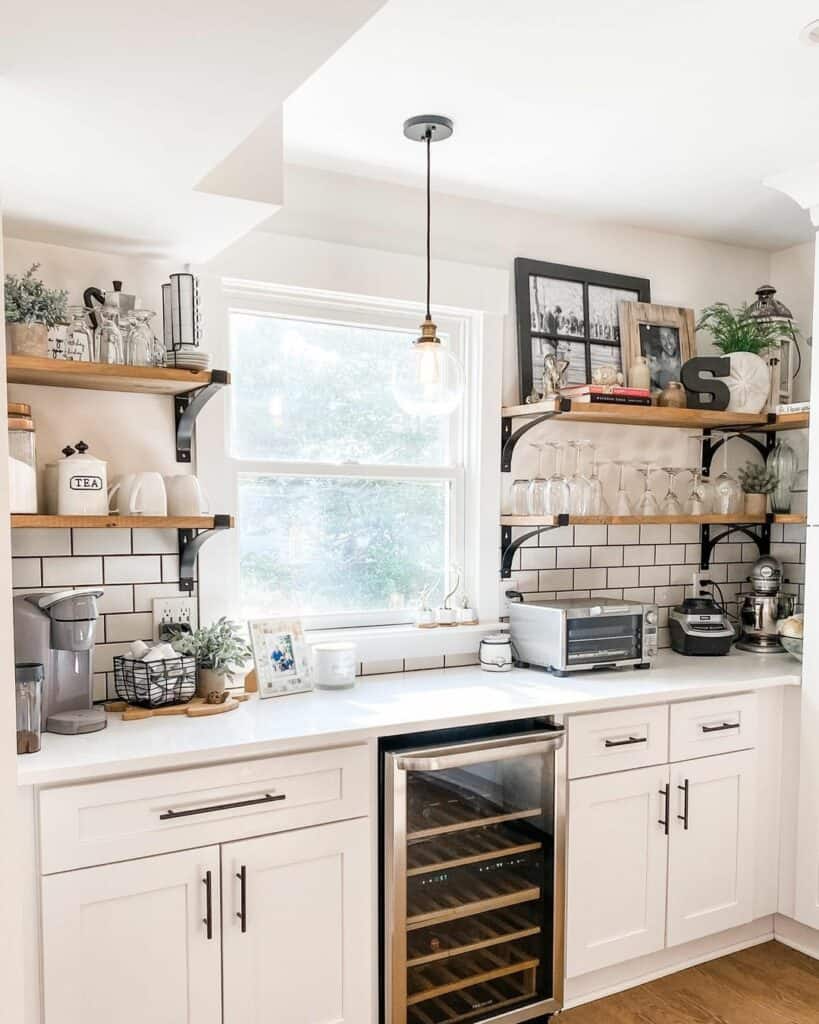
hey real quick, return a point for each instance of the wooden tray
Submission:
(196, 708)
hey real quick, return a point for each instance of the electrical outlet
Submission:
(174, 611)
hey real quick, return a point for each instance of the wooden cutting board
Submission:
(196, 708)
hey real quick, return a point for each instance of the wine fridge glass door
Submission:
(474, 881)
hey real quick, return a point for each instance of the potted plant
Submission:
(757, 483)
(31, 309)
(745, 339)
(220, 651)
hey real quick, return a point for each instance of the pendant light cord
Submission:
(429, 214)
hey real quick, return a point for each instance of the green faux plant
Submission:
(220, 646)
(735, 330)
(28, 301)
(756, 479)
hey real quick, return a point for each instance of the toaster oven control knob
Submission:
(651, 618)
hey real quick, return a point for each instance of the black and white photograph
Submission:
(604, 320)
(663, 334)
(557, 304)
(556, 307)
(661, 347)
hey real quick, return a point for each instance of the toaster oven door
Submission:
(603, 639)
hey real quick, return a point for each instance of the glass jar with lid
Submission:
(22, 459)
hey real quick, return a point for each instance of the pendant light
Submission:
(428, 379)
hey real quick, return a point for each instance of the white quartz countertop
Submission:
(387, 705)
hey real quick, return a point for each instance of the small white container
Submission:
(495, 652)
(334, 665)
(82, 484)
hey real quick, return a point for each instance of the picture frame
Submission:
(665, 335)
(571, 312)
(281, 657)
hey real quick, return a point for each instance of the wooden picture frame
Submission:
(281, 656)
(665, 335)
(571, 312)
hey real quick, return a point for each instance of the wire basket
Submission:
(154, 684)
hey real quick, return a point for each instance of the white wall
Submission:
(792, 272)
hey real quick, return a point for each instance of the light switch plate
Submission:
(174, 611)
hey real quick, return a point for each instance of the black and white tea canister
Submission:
(495, 652)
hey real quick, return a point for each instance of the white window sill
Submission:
(389, 643)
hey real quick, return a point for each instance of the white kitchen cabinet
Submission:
(129, 942)
(617, 868)
(297, 928)
(711, 862)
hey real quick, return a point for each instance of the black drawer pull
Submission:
(665, 792)
(685, 789)
(268, 798)
(626, 743)
(242, 912)
(720, 728)
(208, 918)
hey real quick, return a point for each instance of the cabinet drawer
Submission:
(122, 819)
(713, 726)
(611, 741)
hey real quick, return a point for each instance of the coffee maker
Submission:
(58, 632)
(763, 608)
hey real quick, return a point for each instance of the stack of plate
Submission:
(189, 357)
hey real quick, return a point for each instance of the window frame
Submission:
(301, 304)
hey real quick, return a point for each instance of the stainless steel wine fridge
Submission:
(472, 871)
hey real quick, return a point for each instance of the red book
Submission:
(598, 389)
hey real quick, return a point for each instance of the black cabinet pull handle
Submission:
(626, 743)
(268, 798)
(665, 792)
(685, 788)
(242, 912)
(207, 920)
(720, 728)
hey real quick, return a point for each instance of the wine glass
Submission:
(109, 338)
(597, 501)
(648, 505)
(728, 497)
(622, 501)
(671, 504)
(537, 485)
(557, 486)
(578, 483)
(701, 499)
(79, 339)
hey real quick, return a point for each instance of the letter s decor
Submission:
(702, 388)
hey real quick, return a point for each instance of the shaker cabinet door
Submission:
(711, 863)
(617, 860)
(298, 946)
(129, 942)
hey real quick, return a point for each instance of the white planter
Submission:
(749, 382)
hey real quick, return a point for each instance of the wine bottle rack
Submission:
(437, 809)
(443, 977)
(467, 847)
(466, 895)
(470, 934)
(466, 1004)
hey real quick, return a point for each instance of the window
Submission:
(347, 507)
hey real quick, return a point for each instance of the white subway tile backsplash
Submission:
(25, 572)
(537, 558)
(573, 558)
(590, 535)
(610, 555)
(785, 552)
(117, 599)
(40, 542)
(655, 533)
(794, 572)
(654, 576)
(72, 572)
(156, 542)
(680, 574)
(669, 595)
(669, 554)
(727, 552)
(99, 690)
(133, 569)
(525, 582)
(643, 594)
(144, 593)
(105, 653)
(624, 534)
(556, 579)
(557, 538)
(589, 578)
(127, 627)
(170, 568)
(737, 572)
(794, 533)
(626, 576)
(642, 554)
(113, 541)
(685, 533)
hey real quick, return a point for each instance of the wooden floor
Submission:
(768, 984)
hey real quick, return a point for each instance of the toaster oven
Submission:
(579, 634)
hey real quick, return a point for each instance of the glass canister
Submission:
(22, 459)
(783, 464)
(28, 686)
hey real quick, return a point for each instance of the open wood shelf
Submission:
(148, 380)
(533, 521)
(656, 416)
(28, 522)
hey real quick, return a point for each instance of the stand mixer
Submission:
(763, 608)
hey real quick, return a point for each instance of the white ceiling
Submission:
(666, 114)
(112, 115)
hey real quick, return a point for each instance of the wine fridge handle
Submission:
(500, 748)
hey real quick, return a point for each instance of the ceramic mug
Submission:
(186, 496)
(139, 494)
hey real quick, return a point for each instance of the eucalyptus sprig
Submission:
(28, 301)
(756, 479)
(738, 331)
(219, 646)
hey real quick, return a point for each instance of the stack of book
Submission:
(607, 395)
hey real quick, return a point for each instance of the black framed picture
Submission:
(572, 313)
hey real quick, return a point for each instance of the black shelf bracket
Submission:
(760, 535)
(191, 542)
(510, 438)
(188, 406)
(710, 447)
(509, 547)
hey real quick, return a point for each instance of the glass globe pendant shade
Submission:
(428, 379)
